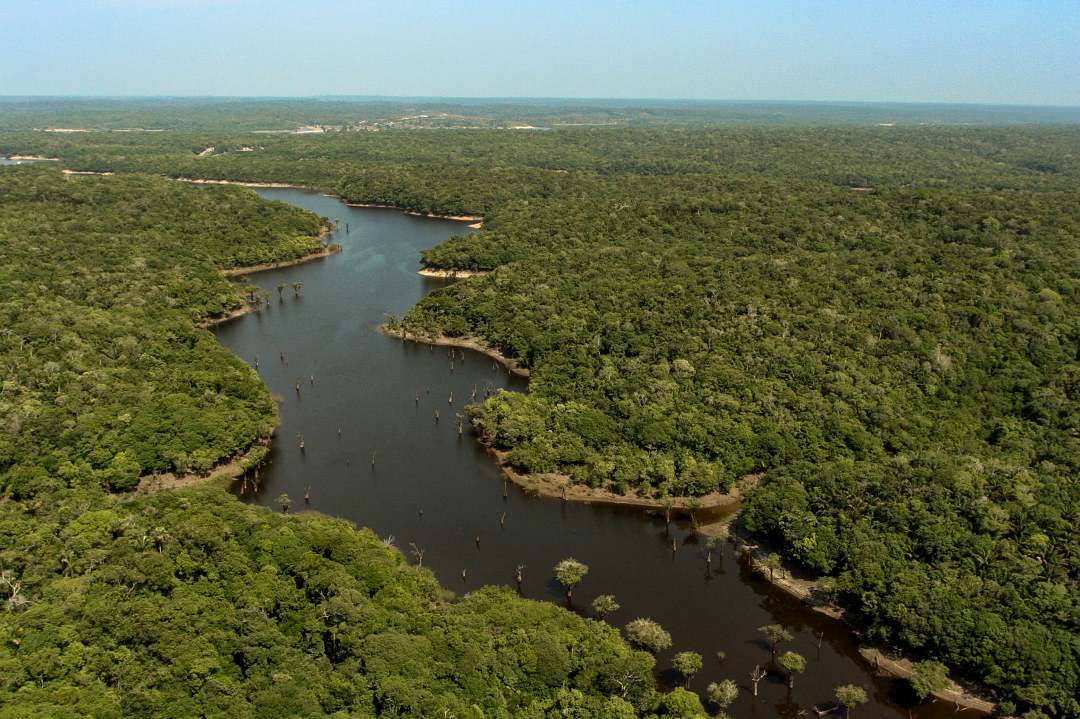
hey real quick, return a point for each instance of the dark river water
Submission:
(439, 491)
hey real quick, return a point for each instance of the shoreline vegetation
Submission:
(450, 274)
(966, 695)
(230, 470)
(247, 307)
(199, 227)
(233, 469)
(559, 486)
(471, 343)
(239, 183)
(755, 553)
(252, 269)
(476, 220)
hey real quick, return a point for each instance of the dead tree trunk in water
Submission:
(756, 676)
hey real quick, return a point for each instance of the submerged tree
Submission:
(710, 546)
(648, 635)
(793, 663)
(850, 696)
(722, 693)
(605, 604)
(756, 676)
(284, 501)
(569, 572)
(774, 634)
(688, 664)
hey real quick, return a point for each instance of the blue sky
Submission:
(995, 51)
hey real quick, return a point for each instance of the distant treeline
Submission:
(254, 114)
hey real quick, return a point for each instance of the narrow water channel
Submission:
(439, 491)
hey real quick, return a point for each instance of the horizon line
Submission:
(549, 98)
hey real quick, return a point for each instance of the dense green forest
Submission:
(189, 603)
(107, 378)
(884, 320)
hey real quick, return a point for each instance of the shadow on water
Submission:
(437, 490)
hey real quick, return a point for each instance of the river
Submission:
(440, 492)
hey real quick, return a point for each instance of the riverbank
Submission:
(477, 219)
(232, 469)
(230, 315)
(227, 470)
(154, 483)
(325, 252)
(471, 343)
(560, 486)
(247, 307)
(756, 554)
(451, 274)
(239, 183)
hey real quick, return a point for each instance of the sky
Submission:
(986, 51)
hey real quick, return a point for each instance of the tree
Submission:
(772, 562)
(296, 287)
(688, 664)
(13, 586)
(284, 501)
(793, 663)
(605, 604)
(850, 696)
(756, 676)
(774, 634)
(280, 289)
(648, 635)
(710, 546)
(928, 678)
(681, 703)
(722, 693)
(569, 572)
